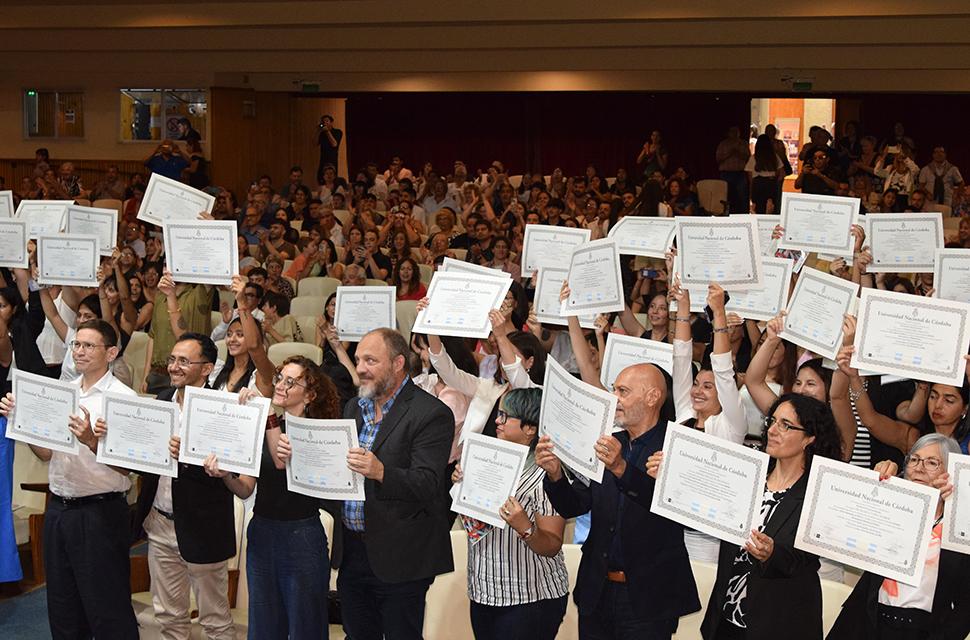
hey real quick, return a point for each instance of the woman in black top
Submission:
(21, 324)
(197, 173)
(287, 562)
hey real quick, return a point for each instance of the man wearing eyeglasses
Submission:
(86, 521)
(189, 520)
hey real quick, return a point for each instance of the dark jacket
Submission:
(24, 331)
(784, 595)
(658, 573)
(203, 510)
(949, 620)
(407, 534)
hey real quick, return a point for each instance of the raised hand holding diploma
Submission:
(815, 311)
(547, 303)
(68, 260)
(42, 409)
(43, 217)
(722, 250)
(201, 251)
(764, 304)
(13, 244)
(6, 204)
(545, 246)
(818, 223)
(951, 274)
(316, 458)
(622, 351)
(644, 235)
(458, 305)
(169, 200)
(595, 283)
(904, 242)
(956, 515)
(92, 221)
(574, 415)
(490, 470)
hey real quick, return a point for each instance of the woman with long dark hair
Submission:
(407, 279)
(765, 170)
(246, 365)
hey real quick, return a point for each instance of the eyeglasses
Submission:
(287, 381)
(501, 417)
(930, 464)
(84, 346)
(182, 363)
(783, 425)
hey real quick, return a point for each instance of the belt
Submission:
(83, 500)
(165, 514)
(616, 576)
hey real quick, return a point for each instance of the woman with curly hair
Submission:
(287, 563)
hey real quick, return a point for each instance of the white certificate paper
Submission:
(904, 242)
(44, 217)
(139, 430)
(622, 351)
(490, 474)
(168, 200)
(92, 221)
(764, 304)
(816, 310)
(912, 336)
(458, 305)
(68, 260)
(546, 300)
(363, 309)
(6, 204)
(818, 223)
(721, 250)
(44, 407)
(545, 246)
(956, 514)
(851, 517)
(595, 283)
(644, 235)
(318, 466)
(201, 251)
(575, 414)
(214, 422)
(766, 228)
(710, 484)
(13, 243)
(450, 265)
(951, 275)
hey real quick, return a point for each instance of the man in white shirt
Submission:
(86, 523)
(939, 178)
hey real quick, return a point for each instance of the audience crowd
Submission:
(412, 399)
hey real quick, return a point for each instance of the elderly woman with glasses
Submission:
(287, 563)
(517, 580)
(768, 585)
(939, 606)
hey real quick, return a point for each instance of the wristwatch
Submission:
(525, 535)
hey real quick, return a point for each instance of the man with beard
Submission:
(391, 546)
(617, 591)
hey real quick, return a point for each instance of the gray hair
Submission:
(947, 446)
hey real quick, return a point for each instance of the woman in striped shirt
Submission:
(517, 580)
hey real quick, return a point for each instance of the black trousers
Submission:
(538, 620)
(86, 560)
(371, 608)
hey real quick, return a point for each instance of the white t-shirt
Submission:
(773, 173)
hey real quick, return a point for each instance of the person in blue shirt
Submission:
(167, 160)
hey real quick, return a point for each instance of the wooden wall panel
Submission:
(231, 138)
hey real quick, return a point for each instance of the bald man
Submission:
(635, 579)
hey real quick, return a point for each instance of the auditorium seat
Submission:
(221, 350)
(109, 203)
(515, 181)
(277, 353)
(713, 196)
(135, 354)
(406, 313)
(342, 215)
(317, 286)
(427, 272)
(460, 254)
(308, 327)
(374, 282)
(307, 305)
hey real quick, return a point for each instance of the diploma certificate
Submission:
(91, 221)
(13, 243)
(764, 304)
(595, 283)
(816, 310)
(851, 517)
(214, 422)
(956, 515)
(139, 430)
(168, 200)
(458, 305)
(450, 265)
(710, 484)
(644, 235)
(818, 223)
(622, 351)
(6, 204)
(44, 407)
(202, 251)
(904, 242)
(69, 260)
(951, 275)
(363, 309)
(721, 250)
(546, 300)
(545, 246)
(318, 466)
(44, 217)
(912, 336)
(575, 414)
(490, 469)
